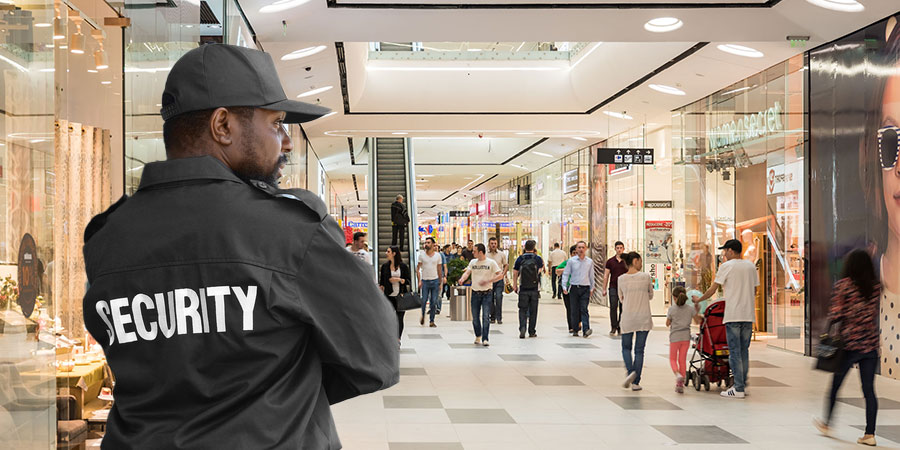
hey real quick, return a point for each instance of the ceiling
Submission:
(468, 118)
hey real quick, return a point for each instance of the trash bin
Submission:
(459, 303)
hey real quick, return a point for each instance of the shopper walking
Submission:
(854, 309)
(528, 267)
(358, 248)
(679, 319)
(399, 222)
(739, 279)
(499, 256)
(566, 299)
(557, 256)
(615, 267)
(468, 253)
(394, 281)
(431, 277)
(578, 282)
(445, 258)
(636, 291)
(276, 320)
(484, 272)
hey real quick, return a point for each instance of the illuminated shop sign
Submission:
(570, 181)
(751, 126)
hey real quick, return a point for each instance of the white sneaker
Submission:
(732, 393)
(822, 427)
(486, 343)
(477, 341)
(629, 379)
(867, 440)
(636, 387)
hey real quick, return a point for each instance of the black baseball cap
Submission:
(220, 75)
(733, 244)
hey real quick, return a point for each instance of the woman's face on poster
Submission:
(890, 116)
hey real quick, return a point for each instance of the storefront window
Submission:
(739, 175)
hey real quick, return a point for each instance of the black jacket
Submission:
(230, 313)
(399, 214)
(384, 278)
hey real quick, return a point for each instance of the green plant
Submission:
(455, 269)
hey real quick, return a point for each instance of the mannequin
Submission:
(751, 253)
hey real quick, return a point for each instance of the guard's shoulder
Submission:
(298, 197)
(100, 219)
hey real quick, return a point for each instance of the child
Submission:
(678, 319)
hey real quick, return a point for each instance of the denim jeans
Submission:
(528, 311)
(637, 365)
(868, 362)
(738, 336)
(579, 298)
(430, 294)
(497, 301)
(481, 313)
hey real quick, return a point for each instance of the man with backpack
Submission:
(529, 266)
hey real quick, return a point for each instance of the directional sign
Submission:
(641, 156)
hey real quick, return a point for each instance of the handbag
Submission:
(409, 300)
(830, 351)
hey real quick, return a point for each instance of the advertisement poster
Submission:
(854, 89)
(659, 248)
(599, 184)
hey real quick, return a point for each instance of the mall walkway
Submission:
(557, 391)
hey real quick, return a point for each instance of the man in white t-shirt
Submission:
(431, 279)
(557, 256)
(484, 272)
(358, 247)
(739, 279)
(499, 257)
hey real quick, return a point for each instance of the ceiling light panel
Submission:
(666, 89)
(663, 24)
(741, 50)
(839, 5)
(303, 53)
(618, 115)
(281, 5)
(315, 91)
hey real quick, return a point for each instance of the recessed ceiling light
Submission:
(579, 139)
(106, 82)
(524, 133)
(303, 53)
(475, 50)
(92, 71)
(281, 5)
(666, 89)
(315, 91)
(740, 50)
(839, 5)
(618, 115)
(36, 141)
(49, 69)
(401, 133)
(543, 154)
(42, 25)
(663, 24)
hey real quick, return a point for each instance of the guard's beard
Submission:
(252, 170)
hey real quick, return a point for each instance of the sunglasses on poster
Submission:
(888, 146)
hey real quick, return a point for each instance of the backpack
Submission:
(529, 272)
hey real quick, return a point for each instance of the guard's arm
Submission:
(354, 327)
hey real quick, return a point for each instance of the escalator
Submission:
(390, 174)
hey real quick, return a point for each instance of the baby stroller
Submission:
(709, 363)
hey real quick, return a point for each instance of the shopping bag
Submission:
(830, 351)
(408, 301)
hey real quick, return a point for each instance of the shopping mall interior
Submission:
(670, 126)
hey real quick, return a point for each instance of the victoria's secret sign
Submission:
(750, 127)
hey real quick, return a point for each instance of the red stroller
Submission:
(709, 363)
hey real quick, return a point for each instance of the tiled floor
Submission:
(558, 391)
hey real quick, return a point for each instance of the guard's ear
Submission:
(221, 126)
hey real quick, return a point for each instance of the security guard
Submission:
(229, 311)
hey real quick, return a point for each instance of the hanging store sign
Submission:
(570, 181)
(459, 214)
(640, 156)
(752, 126)
(658, 204)
(524, 196)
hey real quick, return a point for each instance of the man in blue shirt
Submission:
(578, 282)
(529, 266)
